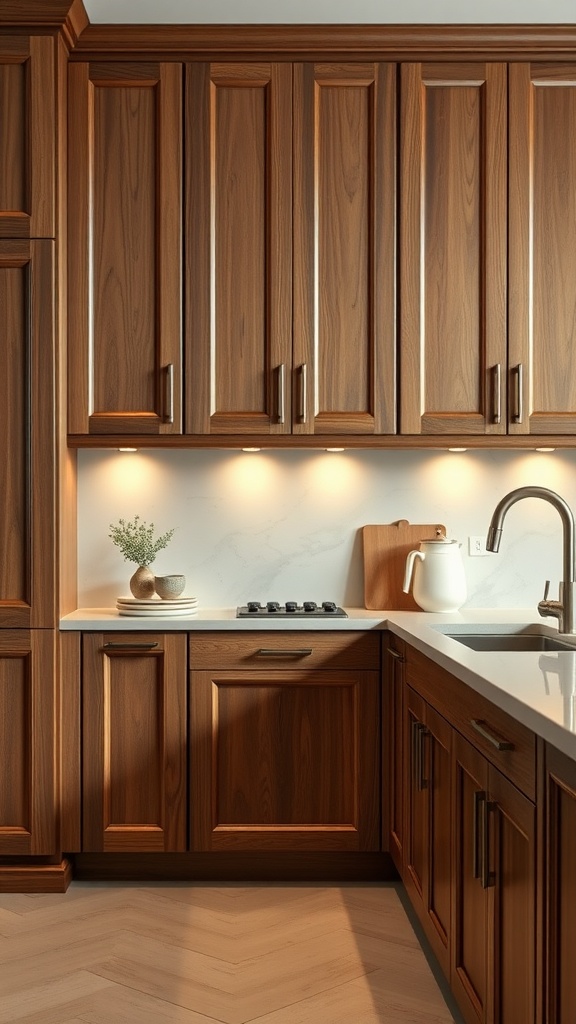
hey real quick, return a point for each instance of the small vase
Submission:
(142, 582)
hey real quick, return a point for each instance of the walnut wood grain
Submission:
(560, 851)
(124, 247)
(344, 248)
(339, 649)
(70, 704)
(452, 246)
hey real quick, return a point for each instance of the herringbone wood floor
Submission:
(182, 953)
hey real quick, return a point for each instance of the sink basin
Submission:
(511, 642)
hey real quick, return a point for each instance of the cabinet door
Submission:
(134, 742)
(344, 249)
(284, 760)
(27, 456)
(416, 845)
(27, 136)
(124, 248)
(393, 740)
(560, 887)
(438, 783)
(453, 178)
(542, 320)
(238, 121)
(27, 730)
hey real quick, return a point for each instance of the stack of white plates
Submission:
(154, 607)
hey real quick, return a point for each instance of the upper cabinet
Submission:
(124, 251)
(542, 317)
(290, 234)
(27, 136)
(453, 180)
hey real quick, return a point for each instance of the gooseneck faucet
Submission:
(565, 608)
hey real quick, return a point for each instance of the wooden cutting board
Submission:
(385, 551)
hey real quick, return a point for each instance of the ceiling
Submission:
(214, 12)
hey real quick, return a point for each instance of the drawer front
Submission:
(506, 743)
(284, 649)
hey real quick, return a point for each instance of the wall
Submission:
(286, 525)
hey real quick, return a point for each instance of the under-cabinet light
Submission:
(251, 449)
(457, 449)
(127, 449)
(544, 449)
(335, 449)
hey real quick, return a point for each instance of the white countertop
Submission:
(538, 690)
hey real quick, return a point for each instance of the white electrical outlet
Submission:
(477, 547)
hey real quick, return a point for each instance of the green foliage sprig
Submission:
(136, 540)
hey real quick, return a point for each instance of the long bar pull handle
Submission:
(479, 800)
(281, 407)
(302, 392)
(420, 779)
(169, 394)
(497, 393)
(491, 736)
(414, 751)
(294, 652)
(133, 645)
(394, 654)
(518, 414)
(487, 877)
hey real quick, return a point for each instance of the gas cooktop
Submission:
(308, 610)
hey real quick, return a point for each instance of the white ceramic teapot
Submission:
(439, 583)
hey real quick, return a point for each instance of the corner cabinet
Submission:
(134, 742)
(124, 248)
(285, 742)
(290, 270)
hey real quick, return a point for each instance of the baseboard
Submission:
(35, 877)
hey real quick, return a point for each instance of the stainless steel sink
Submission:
(511, 642)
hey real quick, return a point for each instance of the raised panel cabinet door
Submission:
(238, 328)
(416, 839)
(437, 778)
(284, 760)
(134, 742)
(27, 452)
(393, 766)
(344, 378)
(124, 248)
(542, 317)
(27, 136)
(560, 844)
(512, 878)
(453, 180)
(27, 731)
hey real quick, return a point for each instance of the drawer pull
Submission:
(492, 738)
(496, 393)
(294, 652)
(394, 654)
(143, 645)
(169, 394)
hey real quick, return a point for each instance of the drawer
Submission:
(284, 649)
(480, 721)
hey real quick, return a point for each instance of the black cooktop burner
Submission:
(308, 610)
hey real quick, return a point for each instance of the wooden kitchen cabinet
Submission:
(134, 750)
(270, 350)
(542, 249)
(27, 136)
(27, 741)
(453, 206)
(124, 248)
(393, 764)
(560, 891)
(285, 742)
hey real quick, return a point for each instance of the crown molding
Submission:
(67, 16)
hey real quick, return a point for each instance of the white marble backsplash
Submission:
(287, 524)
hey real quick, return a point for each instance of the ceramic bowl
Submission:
(169, 587)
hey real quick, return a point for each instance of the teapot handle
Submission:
(412, 556)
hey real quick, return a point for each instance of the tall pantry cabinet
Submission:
(32, 71)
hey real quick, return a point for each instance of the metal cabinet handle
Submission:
(134, 645)
(418, 732)
(497, 393)
(492, 737)
(169, 394)
(394, 654)
(281, 413)
(295, 652)
(487, 877)
(479, 799)
(518, 414)
(302, 392)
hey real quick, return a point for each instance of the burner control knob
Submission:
(329, 606)
(253, 606)
(291, 606)
(273, 606)
(310, 606)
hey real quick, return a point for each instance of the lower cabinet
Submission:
(560, 844)
(285, 741)
(134, 792)
(469, 842)
(27, 741)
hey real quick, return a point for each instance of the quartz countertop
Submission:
(538, 690)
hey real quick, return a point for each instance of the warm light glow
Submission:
(251, 449)
(334, 449)
(127, 449)
(457, 449)
(544, 449)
